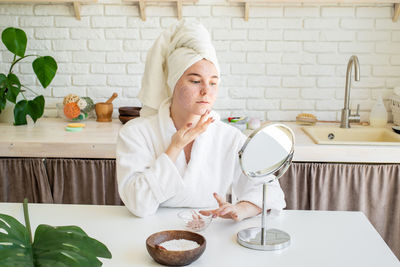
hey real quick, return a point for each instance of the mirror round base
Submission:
(275, 239)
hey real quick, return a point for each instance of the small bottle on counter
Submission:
(378, 116)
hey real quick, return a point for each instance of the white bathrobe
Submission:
(148, 178)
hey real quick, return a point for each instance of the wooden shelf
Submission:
(142, 5)
(76, 3)
(247, 3)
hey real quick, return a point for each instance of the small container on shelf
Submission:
(75, 108)
(128, 113)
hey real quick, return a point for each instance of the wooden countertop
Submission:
(48, 138)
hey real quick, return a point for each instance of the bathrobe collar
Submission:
(168, 129)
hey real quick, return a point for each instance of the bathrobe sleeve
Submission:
(144, 180)
(251, 190)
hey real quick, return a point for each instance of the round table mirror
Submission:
(266, 155)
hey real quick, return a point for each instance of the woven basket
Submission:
(395, 106)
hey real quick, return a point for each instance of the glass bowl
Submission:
(194, 221)
(81, 117)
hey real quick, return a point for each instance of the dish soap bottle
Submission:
(378, 115)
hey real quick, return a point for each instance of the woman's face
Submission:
(196, 90)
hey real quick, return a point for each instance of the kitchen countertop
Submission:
(318, 238)
(47, 138)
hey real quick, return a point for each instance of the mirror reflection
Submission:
(266, 150)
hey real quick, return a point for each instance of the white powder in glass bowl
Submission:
(179, 244)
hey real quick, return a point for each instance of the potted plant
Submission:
(52, 246)
(44, 67)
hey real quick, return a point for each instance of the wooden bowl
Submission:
(129, 111)
(125, 119)
(174, 258)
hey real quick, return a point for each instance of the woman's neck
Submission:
(181, 117)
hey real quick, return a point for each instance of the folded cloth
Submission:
(174, 51)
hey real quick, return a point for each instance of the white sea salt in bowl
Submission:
(181, 247)
(194, 221)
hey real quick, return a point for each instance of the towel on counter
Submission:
(174, 51)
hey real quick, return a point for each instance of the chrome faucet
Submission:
(347, 117)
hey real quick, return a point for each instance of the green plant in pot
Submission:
(44, 67)
(53, 246)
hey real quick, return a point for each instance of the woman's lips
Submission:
(202, 102)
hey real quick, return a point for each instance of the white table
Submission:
(319, 238)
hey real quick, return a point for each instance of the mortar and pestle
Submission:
(104, 110)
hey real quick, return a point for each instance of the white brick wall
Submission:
(285, 60)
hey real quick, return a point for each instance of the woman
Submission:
(183, 155)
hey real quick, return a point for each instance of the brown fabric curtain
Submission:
(372, 189)
(83, 181)
(24, 178)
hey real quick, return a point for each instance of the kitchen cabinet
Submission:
(49, 165)
(55, 180)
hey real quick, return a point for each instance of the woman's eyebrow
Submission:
(194, 74)
(198, 75)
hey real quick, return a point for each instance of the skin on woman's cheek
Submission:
(185, 97)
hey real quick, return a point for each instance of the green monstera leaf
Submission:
(13, 87)
(15, 246)
(34, 108)
(15, 40)
(45, 69)
(52, 246)
(3, 87)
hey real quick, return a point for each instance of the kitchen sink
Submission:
(361, 135)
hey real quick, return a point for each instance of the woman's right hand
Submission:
(187, 134)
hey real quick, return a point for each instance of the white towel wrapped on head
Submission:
(174, 51)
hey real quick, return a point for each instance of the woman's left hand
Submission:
(235, 212)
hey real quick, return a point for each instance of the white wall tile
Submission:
(284, 60)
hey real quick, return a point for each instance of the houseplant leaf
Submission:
(33, 108)
(20, 112)
(15, 246)
(13, 87)
(75, 245)
(66, 246)
(3, 99)
(15, 40)
(3, 79)
(45, 69)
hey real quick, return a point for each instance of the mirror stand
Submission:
(256, 162)
(261, 238)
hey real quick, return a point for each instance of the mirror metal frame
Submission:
(261, 238)
(266, 172)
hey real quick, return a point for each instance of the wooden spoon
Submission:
(114, 95)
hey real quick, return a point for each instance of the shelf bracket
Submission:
(396, 12)
(142, 7)
(246, 11)
(179, 9)
(77, 9)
